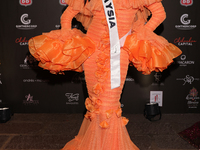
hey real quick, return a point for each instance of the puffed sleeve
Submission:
(63, 49)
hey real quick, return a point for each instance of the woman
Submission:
(103, 127)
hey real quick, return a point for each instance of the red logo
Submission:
(186, 2)
(25, 2)
(22, 41)
(193, 93)
(62, 2)
(181, 41)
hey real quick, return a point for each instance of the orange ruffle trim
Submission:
(147, 57)
(92, 105)
(61, 53)
(96, 5)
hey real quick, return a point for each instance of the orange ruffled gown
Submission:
(103, 127)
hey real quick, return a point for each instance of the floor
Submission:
(52, 131)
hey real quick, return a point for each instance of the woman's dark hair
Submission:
(86, 1)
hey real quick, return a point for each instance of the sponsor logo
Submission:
(184, 42)
(186, 2)
(29, 62)
(192, 98)
(21, 41)
(58, 26)
(157, 76)
(185, 23)
(72, 98)
(25, 2)
(184, 62)
(188, 79)
(35, 81)
(29, 100)
(26, 23)
(78, 78)
(156, 97)
(62, 2)
(157, 79)
(192, 94)
(129, 79)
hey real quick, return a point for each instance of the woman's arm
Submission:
(158, 16)
(67, 17)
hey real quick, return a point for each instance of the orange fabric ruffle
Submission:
(96, 5)
(149, 52)
(92, 105)
(58, 52)
(64, 34)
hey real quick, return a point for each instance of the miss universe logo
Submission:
(186, 2)
(25, 2)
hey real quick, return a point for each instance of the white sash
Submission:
(114, 43)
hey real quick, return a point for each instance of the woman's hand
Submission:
(158, 16)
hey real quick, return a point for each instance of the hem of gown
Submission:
(92, 137)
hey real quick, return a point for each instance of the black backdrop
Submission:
(27, 88)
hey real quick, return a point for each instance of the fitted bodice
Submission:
(99, 27)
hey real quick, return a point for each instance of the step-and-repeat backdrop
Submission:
(27, 88)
